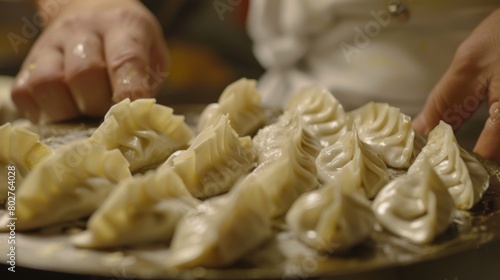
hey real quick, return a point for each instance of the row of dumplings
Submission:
(143, 177)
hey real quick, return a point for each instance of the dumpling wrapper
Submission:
(323, 115)
(142, 209)
(241, 102)
(462, 174)
(69, 185)
(331, 219)
(388, 131)
(223, 229)
(352, 164)
(415, 206)
(287, 154)
(146, 133)
(21, 148)
(214, 161)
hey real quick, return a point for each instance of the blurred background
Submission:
(208, 44)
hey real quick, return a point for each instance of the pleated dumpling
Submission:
(214, 161)
(463, 175)
(415, 206)
(141, 209)
(291, 171)
(353, 165)
(323, 114)
(146, 133)
(388, 131)
(223, 229)
(241, 101)
(69, 185)
(21, 148)
(330, 219)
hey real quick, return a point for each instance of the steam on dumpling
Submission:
(331, 220)
(141, 209)
(241, 101)
(323, 114)
(146, 133)
(352, 164)
(214, 161)
(463, 175)
(21, 148)
(223, 229)
(415, 206)
(69, 185)
(388, 131)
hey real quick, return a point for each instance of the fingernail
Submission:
(419, 124)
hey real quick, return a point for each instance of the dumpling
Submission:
(331, 220)
(141, 209)
(69, 185)
(388, 131)
(415, 206)
(223, 229)
(463, 175)
(146, 133)
(21, 148)
(241, 101)
(323, 114)
(292, 171)
(270, 141)
(353, 165)
(214, 161)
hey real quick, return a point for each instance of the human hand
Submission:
(474, 76)
(93, 52)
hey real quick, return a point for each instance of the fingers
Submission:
(86, 74)
(127, 54)
(41, 93)
(455, 97)
(488, 144)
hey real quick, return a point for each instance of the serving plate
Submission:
(283, 256)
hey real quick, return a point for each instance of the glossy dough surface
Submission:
(415, 206)
(323, 115)
(146, 133)
(69, 185)
(214, 161)
(352, 164)
(241, 102)
(21, 148)
(331, 220)
(142, 209)
(388, 131)
(462, 174)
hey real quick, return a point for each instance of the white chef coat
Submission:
(357, 49)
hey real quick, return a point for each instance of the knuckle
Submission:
(84, 68)
(468, 57)
(127, 55)
(48, 76)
